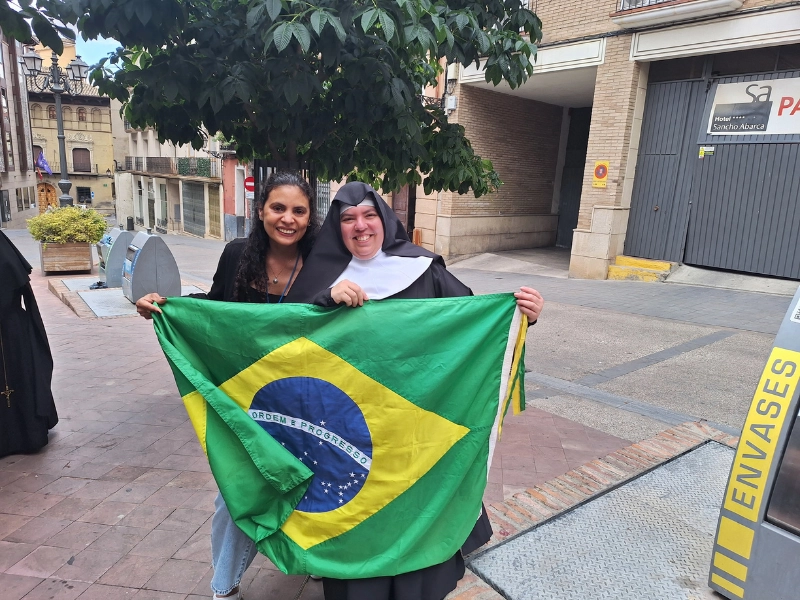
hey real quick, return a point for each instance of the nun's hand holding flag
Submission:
(349, 443)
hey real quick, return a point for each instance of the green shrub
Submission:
(68, 224)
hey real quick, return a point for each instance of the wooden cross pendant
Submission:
(7, 393)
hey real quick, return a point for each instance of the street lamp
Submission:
(58, 82)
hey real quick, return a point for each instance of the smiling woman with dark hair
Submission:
(261, 269)
(362, 253)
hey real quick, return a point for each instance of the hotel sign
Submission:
(767, 107)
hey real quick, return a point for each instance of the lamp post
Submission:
(58, 82)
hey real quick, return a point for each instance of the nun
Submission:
(363, 253)
(27, 408)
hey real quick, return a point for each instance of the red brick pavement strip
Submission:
(548, 500)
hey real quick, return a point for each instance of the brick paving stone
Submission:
(9, 523)
(108, 592)
(97, 490)
(13, 552)
(161, 543)
(155, 595)
(145, 516)
(170, 497)
(119, 539)
(88, 565)
(27, 504)
(134, 493)
(108, 512)
(77, 535)
(28, 482)
(37, 531)
(16, 586)
(57, 589)
(42, 562)
(185, 519)
(64, 486)
(71, 508)
(197, 548)
(179, 576)
(132, 571)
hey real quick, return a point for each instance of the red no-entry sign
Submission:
(249, 184)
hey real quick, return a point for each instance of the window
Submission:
(10, 151)
(82, 114)
(37, 150)
(84, 195)
(81, 160)
(67, 114)
(51, 112)
(36, 111)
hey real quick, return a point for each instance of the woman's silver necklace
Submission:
(275, 279)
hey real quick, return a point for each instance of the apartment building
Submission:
(89, 143)
(17, 173)
(171, 188)
(662, 129)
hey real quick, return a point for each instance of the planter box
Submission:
(76, 256)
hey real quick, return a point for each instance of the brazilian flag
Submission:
(349, 442)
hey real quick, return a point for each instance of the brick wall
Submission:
(521, 139)
(571, 19)
(612, 120)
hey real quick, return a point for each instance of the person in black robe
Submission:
(27, 408)
(363, 239)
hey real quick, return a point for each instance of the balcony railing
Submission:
(191, 167)
(642, 13)
(77, 167)
(631, 4)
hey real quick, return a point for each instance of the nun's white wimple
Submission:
(364, 202)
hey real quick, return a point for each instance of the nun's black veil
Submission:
(330, 257)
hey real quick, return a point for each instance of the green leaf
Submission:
(46, 34)
(387, 23)
(483, 41)
(318, 20)
(450, 39)
(282, 36)
(273, 8)
(170, 90)
(461, 20)
(143, 11)
(291, 91)
(254, 15)
(337, 27)
(301, 35)
(368, 19)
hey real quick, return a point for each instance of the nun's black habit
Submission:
(27, 409)
(327, 261)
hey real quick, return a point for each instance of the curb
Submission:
(525, 510)
(74, 301)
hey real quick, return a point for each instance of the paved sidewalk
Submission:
(118, 505)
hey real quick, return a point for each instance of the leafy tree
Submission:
(335, 83)
(16, 22)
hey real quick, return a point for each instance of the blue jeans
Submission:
(231, 550)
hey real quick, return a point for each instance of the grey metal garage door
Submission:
(194, 209)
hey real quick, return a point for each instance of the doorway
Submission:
(572, 176)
